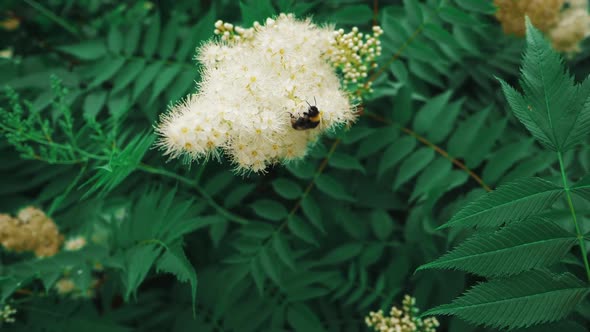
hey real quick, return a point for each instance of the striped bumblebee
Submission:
(310, 119)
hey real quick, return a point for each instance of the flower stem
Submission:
(579, 234)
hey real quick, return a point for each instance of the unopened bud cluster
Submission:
(229, 32)
(354, 54)
(404, 320)
(565, 22)
(7, 314)
(31, 230)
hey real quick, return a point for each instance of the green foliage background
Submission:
(312, 246)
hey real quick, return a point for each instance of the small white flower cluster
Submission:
(251, 90)
(354, 54)
(75, 243)
(403, 320)
(7, 314)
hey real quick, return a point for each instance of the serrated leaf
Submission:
(413, 165)
(582, 187)
(269, 266)
(512, 201)
(167, 41)
(139, 261)
(533, 243)
(269, 209)
(174, 261)
(552, 107)
(132, 38)
(287, 188)
(480, 6)
(527, 299)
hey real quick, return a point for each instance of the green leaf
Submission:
(174, 261)
(301, 318)
(457, 17)
(132, 38)
(352, 14)
(533, 243)
(414, 12)
(553, 107)
(269, 209)
(382, 224)
(395, 153)
(412, 165)
(582, 187)
(432, 177)
(93, 103)
(164, 78)
(332, 188)
(152, 35)
(145, 78)
(121, 165)
(108, 68)
(257, 10)
(346, 162)
(88, 50)
(427, 114)
(313, 212)
(480, 6)
(300, 229)
(128, 74)
(168, 38)
(268, 265)
(287, 188)
(115, 39)
(281, 246)
(511, 201)
(341, 254)
(527, 299)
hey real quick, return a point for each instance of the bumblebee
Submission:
(309, 120)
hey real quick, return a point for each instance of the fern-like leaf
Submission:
(527, 299)
(512, 201)
(534, 243)
(553, 107)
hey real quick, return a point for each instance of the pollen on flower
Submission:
(250, 88)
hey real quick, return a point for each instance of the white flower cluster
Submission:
(404, 320)
(7, 314)
(251, 90)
